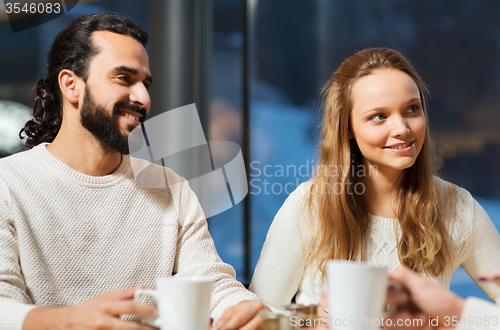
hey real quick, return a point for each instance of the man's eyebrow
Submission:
(132, 71)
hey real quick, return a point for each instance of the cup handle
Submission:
(146, 292)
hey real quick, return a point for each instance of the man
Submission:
(78, 236)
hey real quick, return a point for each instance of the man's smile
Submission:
(135, 117)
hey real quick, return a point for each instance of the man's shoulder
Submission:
(18, 160)
(14, 168)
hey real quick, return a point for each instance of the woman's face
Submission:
(387, 119)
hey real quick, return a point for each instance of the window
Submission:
(296, 45)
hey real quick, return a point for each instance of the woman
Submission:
(374, 196)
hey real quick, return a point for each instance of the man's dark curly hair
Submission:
(72, 49)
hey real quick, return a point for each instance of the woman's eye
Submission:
(414, 109)
(378, 117)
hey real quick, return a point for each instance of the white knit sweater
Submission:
(66, 237)
(280, 272)
(478, 315)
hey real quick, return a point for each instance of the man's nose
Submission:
(140, 96)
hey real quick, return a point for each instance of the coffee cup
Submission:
(286, 320)
(305, 315)
(357, 294)
(183, 302)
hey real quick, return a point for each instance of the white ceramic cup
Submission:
(183, 302)
(356, 295)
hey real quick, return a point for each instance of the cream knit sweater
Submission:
(280, 272)
(66, 237)
(478, 315)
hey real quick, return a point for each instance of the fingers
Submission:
(113, 304)
(405, 320)
(116, 303)
(422, 291)
(426, 296)
(407, 277)
(398, 298)
(235, 316)
(130, 308)
(101, 312)
(120, 294)
(242, 314)
(129, 325)
(322, 311)
(392, 321)
(323, 305)
(255, 324)
(94, 319)
(224, 318)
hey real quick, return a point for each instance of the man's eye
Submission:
(124, 78)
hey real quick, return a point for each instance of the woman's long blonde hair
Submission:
(339, 216)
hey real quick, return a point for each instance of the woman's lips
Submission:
(402, 148)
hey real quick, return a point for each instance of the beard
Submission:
(104, 126)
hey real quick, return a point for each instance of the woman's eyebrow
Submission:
(414, 99)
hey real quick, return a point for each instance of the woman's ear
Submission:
(349, 129)
(69, 86)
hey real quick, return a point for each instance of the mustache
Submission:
(132, 107)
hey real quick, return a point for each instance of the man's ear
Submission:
(69, 84)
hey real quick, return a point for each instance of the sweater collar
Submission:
(83, 179)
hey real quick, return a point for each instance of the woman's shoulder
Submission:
(456, 206)
(300, 194)
(451, 193)
(295, 209)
